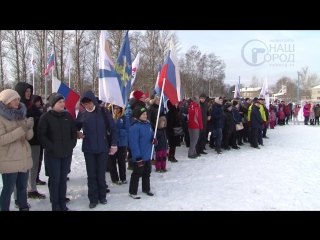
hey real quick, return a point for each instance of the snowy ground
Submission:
(282, 175)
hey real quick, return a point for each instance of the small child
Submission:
(140, 143)
(273, 118)
(281, 117)
(162, 146)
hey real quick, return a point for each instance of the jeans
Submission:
(218, 137)
(9, 180)
(58, 169)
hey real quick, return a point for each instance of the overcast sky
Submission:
(278, 53)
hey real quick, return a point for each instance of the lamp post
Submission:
(298, 90)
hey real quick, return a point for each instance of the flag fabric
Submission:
(50, 64)
(168, 72)
(157, 90)
(174, 59)
(68, 64)
(109, 89)
(70, 96)
(236, 91)
(123, 68)
(265, 93)
(135, 66)
(33, 62)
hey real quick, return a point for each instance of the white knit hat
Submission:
(7, 95)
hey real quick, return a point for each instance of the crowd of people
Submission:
(117, 139)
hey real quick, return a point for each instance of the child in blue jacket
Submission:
(140, 142)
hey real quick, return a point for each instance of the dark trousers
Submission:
(226, 137)
(306, 120)
(202, 141)
(254, 136)
(118, 161)
(240, 136)
(129, 158)
(58, 170)
(138, 172)
(264, 131)
(96, 165)
(9, 180)
(246, 134)
(260, 141)
(40, 162)
(218, 135)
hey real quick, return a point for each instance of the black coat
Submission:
(230, 122)
(57, 133)
(153, 114)
(162, 140)
(255, 118)
(173, 120)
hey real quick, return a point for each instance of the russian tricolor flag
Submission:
(50, 64)
(70, 96)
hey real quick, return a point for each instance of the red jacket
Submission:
(194, 116)
(287, 109)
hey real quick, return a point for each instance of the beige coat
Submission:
(15, 150)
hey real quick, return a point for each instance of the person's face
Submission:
(89, 106)
(157, 101)
(143, 116)
(202, 99)
(116, 109)
(221, 101)
(27, 93)
(143, 98)
(37, 104)
(14, 104)
(59, 106)
(162, 124)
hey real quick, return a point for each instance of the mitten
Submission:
(139, 162)
(154, 141)
(24, 126)
(30, 122)
(113, 150)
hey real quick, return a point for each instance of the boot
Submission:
(164, 164)
(24, 209)
(158, 164)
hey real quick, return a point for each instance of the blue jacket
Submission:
(94, 128)
(217, 116)
(123, 125)
(236, 114)
(256, 119)
(140, 140)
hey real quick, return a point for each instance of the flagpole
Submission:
(156, 127)
(45, 77)
(69, 69)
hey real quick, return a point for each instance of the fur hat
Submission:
(54, 98)
(7, 95)
(137, 94)
(195, 100)
(137, 111)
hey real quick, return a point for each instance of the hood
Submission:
(120, 114)
(21, 88)
(89, 94)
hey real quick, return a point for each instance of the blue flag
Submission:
(123, 68)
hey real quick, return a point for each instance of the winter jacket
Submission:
(205, 113)
(194, 116)
(94, 128)
(123, 125)
(173, 120)
(230, 122)
(140, 140)
(153, 114)
(57, 133)
(255, 117)
(281, 114)
(306, 110)
(15, 150)
(236, 114)
(286, 109)
(261, 110)
(317, 111)
(161, 136)
(217, 116)
(296, 111)
(272, 116)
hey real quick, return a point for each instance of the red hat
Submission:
(137, 94)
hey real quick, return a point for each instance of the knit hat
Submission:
(137, 94)
(228, 105)
(54, 98)
(137, 111)
(203, 95)
(195, 100)
(234, 102)
(7, 95)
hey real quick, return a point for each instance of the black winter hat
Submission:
(137, 111)
(203, 95)
(54, 98)
(234, 102)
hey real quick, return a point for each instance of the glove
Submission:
(154, 141)
(24, 126)
(248, 123)
(30, 122)
(113, 150)
(139, 162)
